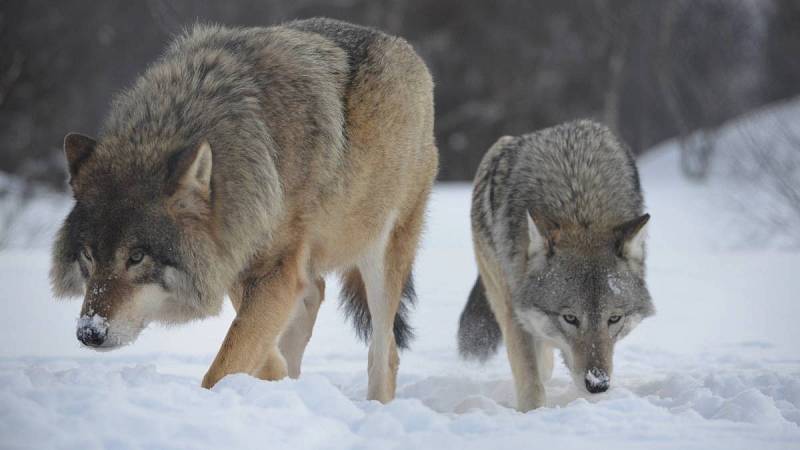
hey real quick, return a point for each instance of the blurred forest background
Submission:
(651, 69)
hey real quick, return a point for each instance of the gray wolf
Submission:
(251, 162)
(558, 232)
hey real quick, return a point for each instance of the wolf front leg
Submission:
(523, 354)
(251, 345)
(527, 357)
(295, 338)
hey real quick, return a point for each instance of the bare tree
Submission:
(14, 197)
(650, 69)
(765, 174)
(709, 66)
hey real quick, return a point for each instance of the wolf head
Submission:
(136, 240)
(584, 291)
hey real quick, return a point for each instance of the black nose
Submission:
(91, 336)
(596, 380)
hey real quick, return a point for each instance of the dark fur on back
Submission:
(354, 302)
(479, 333)
(355, 40)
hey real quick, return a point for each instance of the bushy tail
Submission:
(354, 302)
(479, 334)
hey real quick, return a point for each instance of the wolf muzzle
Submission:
(92, 331)
(597, 380)
(91, 337)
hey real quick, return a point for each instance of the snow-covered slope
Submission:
(717, 367)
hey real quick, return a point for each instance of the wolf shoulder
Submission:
(579, 164)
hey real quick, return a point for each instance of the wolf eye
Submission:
(614, 319)
(570, 319)
(136, 257)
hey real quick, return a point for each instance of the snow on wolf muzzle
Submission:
(597, 380)
(92, 330)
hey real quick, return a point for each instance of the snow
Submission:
(595, 377)
(614, 284)
(716, 367)
(95, 322)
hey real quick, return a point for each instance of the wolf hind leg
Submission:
(388, 282)
(294, 339)
(383, 300)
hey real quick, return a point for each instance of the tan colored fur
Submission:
(321, 136)
(298, 331)
(398, 97)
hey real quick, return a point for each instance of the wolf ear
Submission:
(190, 170)
(77, 148)
(189, 180)
(543, 235)
(629, 238)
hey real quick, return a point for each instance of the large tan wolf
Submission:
(558, 230)
(251, 162)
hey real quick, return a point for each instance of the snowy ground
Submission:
(717, 367)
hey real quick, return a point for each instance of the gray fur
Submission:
(581, 252)
(479, 334)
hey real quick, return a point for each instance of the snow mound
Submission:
(99, 406)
